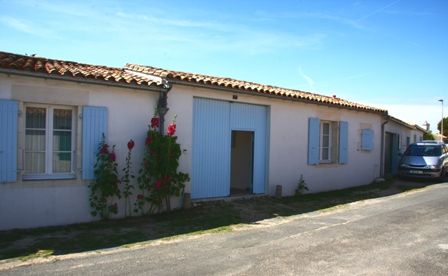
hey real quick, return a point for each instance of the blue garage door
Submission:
(213, 122)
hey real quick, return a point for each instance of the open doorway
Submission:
(242, 162)
(392, 156)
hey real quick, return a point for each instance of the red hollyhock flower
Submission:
(158, 184)
(166, 178)
(155, 122)
(148, 140)
(171, 129)
(104, 149)
(140, 197)
(112, 157)
(131, 144)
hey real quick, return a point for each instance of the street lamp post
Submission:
(441, 123)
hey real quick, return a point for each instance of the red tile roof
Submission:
(250, 87)
(40, 66)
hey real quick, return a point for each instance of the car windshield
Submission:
(423, 150)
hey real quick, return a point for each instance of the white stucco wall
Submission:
(403, 132)
(54, 202)
(288, 146)
(35, 203)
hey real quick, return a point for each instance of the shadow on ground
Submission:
(204, 217)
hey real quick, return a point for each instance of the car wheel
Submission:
(444, 173)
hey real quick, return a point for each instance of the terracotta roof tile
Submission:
(250, 87)
(44, 66)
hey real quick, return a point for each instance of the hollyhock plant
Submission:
(128, 187)
(158, 178)
(104, 188)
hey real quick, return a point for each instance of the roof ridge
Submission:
(228, 78)
(175, 74)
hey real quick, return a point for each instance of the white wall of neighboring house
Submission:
(288, 140)
(404, 132)
(34, 203)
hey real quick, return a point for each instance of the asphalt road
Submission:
(405, 234)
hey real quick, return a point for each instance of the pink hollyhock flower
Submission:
(131, 144)
(166, 178)
(148, 140)
(155, 121)
(112, 157)
(140, 197)
(104, 149)
(171, 130)
(158, 184)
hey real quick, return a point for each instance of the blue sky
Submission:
(391, 54)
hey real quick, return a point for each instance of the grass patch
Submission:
(206, 217)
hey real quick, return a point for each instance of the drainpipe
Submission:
(162, 104)
(382, 145)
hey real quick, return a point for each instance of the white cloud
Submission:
(24, 26)
(308, 79)
(179, 33)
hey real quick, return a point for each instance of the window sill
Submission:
(64, 176)
(324, 164)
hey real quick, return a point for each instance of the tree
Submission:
(445, 126)
(428, 136)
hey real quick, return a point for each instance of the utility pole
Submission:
(441, 123)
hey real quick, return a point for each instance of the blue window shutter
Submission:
(94, 125)
(8, 140)
(343, 142)
(313, 141)
(367, 139)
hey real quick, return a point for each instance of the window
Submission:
(408, 141)
(325, 142)
(49, 142)
(328, 141)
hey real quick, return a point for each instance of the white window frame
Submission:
(49, 174)
(330, 142)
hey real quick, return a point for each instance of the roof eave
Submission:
(400, 122)
(152, 88)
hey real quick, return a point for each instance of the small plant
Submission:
(127, 191)
(301, 187)
(105, 186)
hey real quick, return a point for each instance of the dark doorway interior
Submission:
(242, 160)
(388, 154)
(392, 156)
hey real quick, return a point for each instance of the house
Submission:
(52, 116)
(239, 137)
(398, 135)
